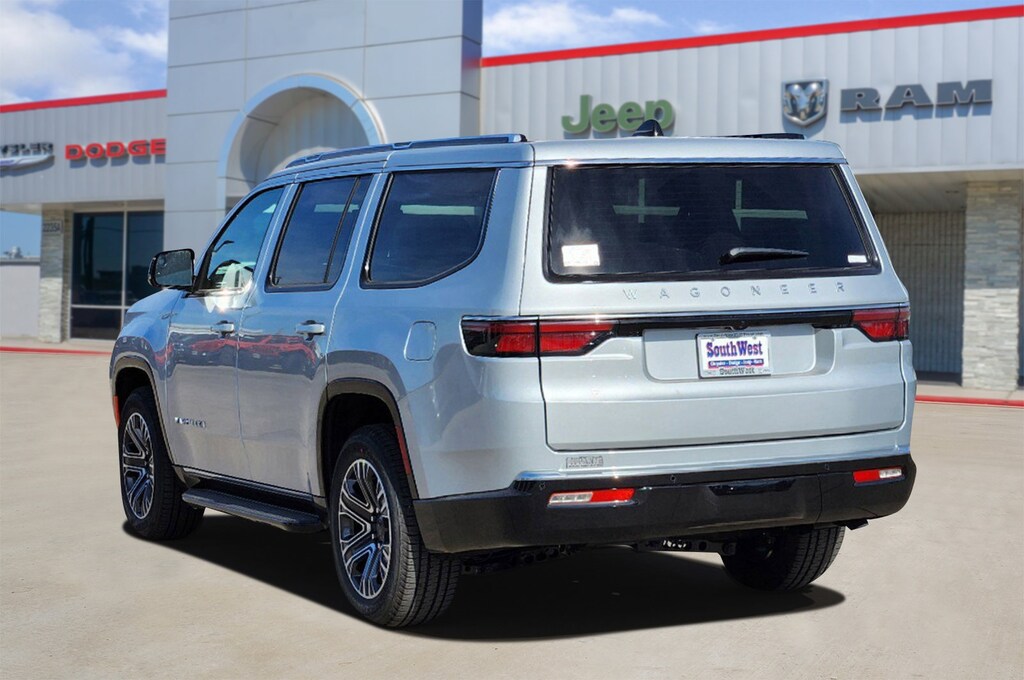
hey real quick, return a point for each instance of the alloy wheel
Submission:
(137, 471)
(364, 528)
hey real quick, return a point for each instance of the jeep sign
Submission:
(604, 117)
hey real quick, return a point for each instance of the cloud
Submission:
(709, 27)
(539, 25)
(152, 45)
(45, 55)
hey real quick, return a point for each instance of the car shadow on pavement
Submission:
(602, 590)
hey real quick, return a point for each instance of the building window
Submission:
(111, 253)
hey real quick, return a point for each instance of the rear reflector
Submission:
(893, 474)
(519, 338)
(117, 412)
(598, 497)
(891, 323)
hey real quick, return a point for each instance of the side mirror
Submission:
(172, 269)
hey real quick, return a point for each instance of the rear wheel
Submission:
(150, 491)
(384, 569)
(784, 560)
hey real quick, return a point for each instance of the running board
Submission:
(257, 511)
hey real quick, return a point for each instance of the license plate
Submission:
(727, 355)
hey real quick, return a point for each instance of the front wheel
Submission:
(150, 491)
(384, 569)
(784, 560)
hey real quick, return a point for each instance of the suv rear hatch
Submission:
(697, 304)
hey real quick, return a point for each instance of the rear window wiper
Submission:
(760, 254)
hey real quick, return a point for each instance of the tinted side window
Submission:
(431, 224)
(348, 225)
(316, 238)
(232, 258)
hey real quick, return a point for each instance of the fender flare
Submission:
(370, 388)
(137, 361)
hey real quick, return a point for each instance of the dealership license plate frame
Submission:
(740, 370)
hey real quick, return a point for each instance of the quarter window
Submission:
(230, 262)
(432, 224)
(316, 238)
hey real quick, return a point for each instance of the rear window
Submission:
(702, 222)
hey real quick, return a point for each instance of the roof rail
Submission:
(772, 135)
(400, 146)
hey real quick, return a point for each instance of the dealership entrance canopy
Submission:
(927, 108)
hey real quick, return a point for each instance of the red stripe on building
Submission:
(969, 401)
(84, 101)
(53, 350)
(1008, 12)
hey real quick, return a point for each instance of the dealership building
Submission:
(926, 107)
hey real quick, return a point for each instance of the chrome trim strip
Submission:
(615, 472)
(659, 316)
(677, 160)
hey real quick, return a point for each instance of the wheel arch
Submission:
(129, 373)
(368, 402)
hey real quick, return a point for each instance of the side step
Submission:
(257, 511)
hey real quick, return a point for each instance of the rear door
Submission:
(710, 304)
(285, 329)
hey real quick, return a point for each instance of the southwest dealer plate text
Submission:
(728, 355)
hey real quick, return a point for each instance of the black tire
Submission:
(785, 560)
(164, 515)
(418, 585)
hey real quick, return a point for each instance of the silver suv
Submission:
(456, 355)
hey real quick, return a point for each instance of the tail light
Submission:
(518, 338)
(500, 338)
(891, 323)
(573, 337)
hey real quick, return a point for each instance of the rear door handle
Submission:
(223, 327)
(310, 328)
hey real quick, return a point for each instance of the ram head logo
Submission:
(804, 102)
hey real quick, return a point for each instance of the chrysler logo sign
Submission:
(23, 155)
(805, 101)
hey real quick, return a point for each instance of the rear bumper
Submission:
(664, 506)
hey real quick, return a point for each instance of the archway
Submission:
(290, 118)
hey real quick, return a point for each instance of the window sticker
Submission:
(585, 255)
(445, 210)
(857, 259)
(641, 209)
(739, 212)
(334, 208)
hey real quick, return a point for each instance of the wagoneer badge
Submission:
(584, 462)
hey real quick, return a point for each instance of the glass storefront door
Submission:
(110, 261)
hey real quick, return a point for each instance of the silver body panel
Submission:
(633, 405)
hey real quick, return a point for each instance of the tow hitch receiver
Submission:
(687, 545)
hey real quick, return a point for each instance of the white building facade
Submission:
(927, 108)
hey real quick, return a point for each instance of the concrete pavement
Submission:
(935, 591)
